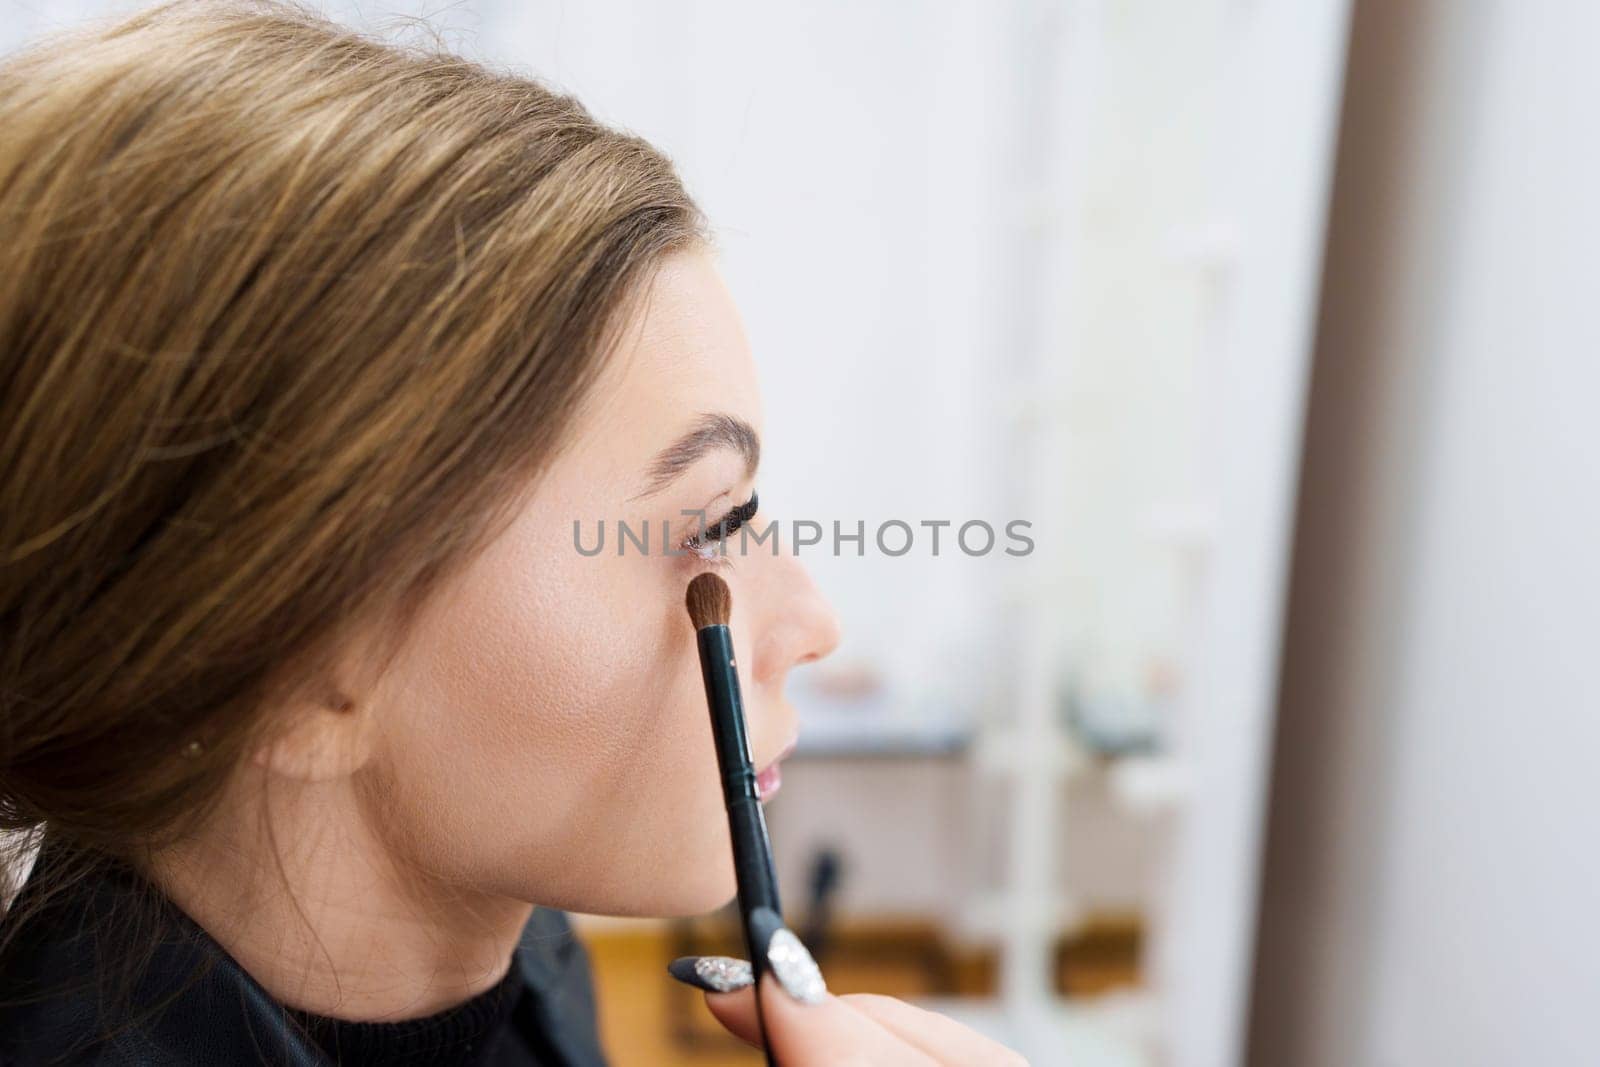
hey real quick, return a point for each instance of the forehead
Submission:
(683, 353)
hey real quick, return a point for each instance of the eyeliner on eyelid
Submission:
(724, 527)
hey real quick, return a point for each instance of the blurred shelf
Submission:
(833, 736)
(874, 726)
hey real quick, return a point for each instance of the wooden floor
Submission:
(645, 1016)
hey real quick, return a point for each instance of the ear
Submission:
(322, 739)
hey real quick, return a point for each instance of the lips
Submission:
(769, 778)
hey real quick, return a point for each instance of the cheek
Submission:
(550, 739)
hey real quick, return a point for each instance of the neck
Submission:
(341, 927)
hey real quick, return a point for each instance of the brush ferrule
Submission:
(740, 785)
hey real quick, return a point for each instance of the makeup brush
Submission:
(710, 604)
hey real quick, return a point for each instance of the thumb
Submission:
(737, 1014)
(729, 985)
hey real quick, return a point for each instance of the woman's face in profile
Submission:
(544, 733)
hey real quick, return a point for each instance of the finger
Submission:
(737, 1013)
(803, 1024)
(940, 1036)
(830, 1033)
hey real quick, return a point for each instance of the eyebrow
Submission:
(709, 433)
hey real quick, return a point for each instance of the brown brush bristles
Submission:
(710, 601)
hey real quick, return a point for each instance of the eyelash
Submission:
(703, 542)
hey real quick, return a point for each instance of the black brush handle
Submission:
(747, 823)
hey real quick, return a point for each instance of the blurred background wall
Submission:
(1432, 875)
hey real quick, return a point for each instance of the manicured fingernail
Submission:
(793, 966)
(716, 974)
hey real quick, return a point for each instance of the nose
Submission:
(796, 623)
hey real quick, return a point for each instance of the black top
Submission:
(194, 1004)
(480, 1031)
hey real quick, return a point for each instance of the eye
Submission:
(702, 541)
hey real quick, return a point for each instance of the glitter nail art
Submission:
(794, 967)
(723, 973)
(719, 974)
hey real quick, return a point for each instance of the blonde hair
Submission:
(288, 318)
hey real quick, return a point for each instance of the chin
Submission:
(673, 888)
(694, 891)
